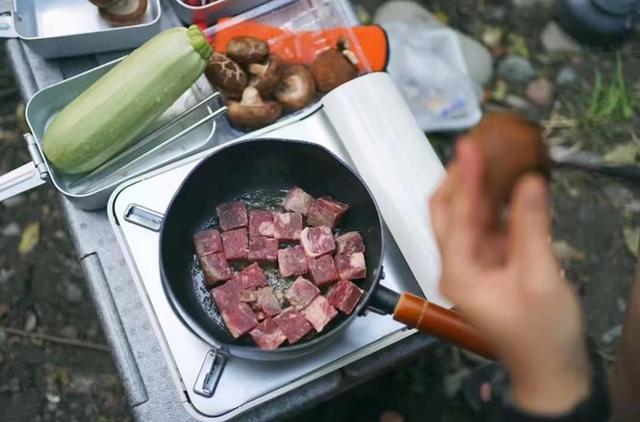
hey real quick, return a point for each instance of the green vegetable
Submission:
(113, 112)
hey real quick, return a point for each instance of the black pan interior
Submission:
(242, 168)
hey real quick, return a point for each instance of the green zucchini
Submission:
(120, 106)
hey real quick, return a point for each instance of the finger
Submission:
(440, 204)
(529, 220)
(464, 224)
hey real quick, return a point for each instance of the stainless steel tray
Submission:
(210, 13)
(61, 28)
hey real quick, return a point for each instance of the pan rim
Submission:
(297, 349)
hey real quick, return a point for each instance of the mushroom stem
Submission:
(251, 96)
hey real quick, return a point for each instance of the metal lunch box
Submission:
(61, 28)
(209, 13)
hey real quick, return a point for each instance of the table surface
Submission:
(149, 388)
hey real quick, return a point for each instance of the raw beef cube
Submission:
(260, 223)
(252, 277)
(288, 225)
(207, 242)
(349, 243)
(260, 316)
(267, 335)
(232, 215)
(263, 249)
(215, 268)
(235, 244)
(319, 313)
(293, 324)
(301, 293)
(227, 295)
(322, 270)
(291, 261)
(239, 318)
(267, 302)
(317, 241)
(344, 295)
(351, 267)
(297, 200)
(326, 211)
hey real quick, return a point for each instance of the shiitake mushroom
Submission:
(512, 146)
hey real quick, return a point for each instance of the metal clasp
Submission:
(210, 373)
(143, 217)
(36, 156)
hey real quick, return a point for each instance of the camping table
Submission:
(150, 391)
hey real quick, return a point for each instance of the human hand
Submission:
(508, 284)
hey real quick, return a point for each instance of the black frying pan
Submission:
(276, 165)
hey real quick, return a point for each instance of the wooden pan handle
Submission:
(441, 322)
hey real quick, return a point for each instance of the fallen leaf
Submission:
(632, 239)
(565, 252)
(518, 45)
(626, 153)
(30, 238)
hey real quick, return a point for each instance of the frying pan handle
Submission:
(210, 373)
(143, 217)
(441, 322)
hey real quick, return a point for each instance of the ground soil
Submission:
(42, 291)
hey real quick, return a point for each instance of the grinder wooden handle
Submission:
(442, 323)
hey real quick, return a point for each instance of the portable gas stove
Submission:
(243, 383)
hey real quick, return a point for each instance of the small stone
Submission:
(566, 76)
(612, 334)
(52, 398)
(555, 40)
(31, 321)
(74, 293)
(540, 92)
(11, 230)
(391, 416)
(622, 305)
(5, 275)
(516, 69)
(14, 201)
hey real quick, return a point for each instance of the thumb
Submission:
(529, 220)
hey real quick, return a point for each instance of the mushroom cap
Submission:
(512, 146)
(252, 112)
(226, 74)
(266, 76)
(296, 88)
(245, 50)
(331, 69)
(124, 12)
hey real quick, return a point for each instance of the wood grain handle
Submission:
(440, 322)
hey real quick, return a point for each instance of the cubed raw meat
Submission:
(319, 313)
(235, 243)
(293, 324)
(344, 295)
(260, 315)
(351, 267)
(232, 215)
(348, 243)
(267, 335)
(322, 270)
(291, 261)
(301, 293)
(239, 319)
(261, 223)
(252, 277)
(263, 249)
(297, 200)
(215, 268)
(227, 295)
(207, 242)
(326, 211)
(267, 302)
(317, 241)
(288, 225)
